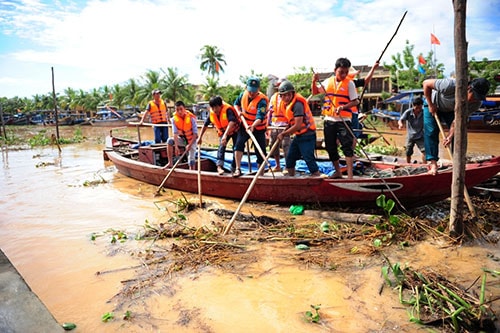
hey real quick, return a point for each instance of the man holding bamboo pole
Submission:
(440, 104)
(251, 106)
(302, 126)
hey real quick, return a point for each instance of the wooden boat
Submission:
(484, 121)
(145, 163)
(110, 116)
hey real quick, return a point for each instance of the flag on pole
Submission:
(435, 40)
(421, 69)
(217, 67)
(421, 60)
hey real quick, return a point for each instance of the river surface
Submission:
(48, 215)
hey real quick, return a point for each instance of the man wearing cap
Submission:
(440, 99)
(251, 106)
(158, 113)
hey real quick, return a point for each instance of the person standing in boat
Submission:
(251, 106)
(302, 126)
(225, 120)
(340, 97)
(157, 109)
(185, 130)
(440, 99)
(414, 118)
(276, 118)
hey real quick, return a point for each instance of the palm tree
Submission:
(212, 60)
(177, 87)
(131, 93)
(152, 80)
(210, 88)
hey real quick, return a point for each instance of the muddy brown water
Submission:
(47, 216)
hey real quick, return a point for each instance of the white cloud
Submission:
(107, 42)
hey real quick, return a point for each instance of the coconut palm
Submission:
(177, 87)
(152, 80)
(212, 60)
(131, 92)
(210, 88)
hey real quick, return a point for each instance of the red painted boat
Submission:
(145, 164)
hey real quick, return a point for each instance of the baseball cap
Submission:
(156, 91)
(480, 88)
(253, 84)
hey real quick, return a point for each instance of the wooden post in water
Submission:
(55, 105)
(456, 227)
(3, 123)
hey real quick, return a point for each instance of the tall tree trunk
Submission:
(460, 144)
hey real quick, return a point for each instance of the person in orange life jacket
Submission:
(225, 120)
(251, 105)
(157, 110)
(340, 98)
(276, 118)
(302, 126)
(185, 132)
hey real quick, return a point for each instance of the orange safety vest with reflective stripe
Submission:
(221, 121)
(249, 109)
(184, 126)
(337, 94)
(276, 112)
(158, 114)
(308, 121)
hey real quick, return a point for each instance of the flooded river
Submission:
(48, 214)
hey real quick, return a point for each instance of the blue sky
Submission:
(91, 44)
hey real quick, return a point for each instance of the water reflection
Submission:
(48, 214)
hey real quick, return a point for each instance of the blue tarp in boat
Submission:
(325, 167)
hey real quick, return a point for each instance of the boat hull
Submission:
(409, 191)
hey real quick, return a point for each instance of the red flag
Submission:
(217, 67)
(421, 60)
(435, 40)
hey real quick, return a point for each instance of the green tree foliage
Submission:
(301, 81)
(405, 72)
(487, 69)
(212, 60)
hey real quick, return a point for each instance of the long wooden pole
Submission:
(255, 142)
(170, 172)
(247, 193)
(379, 58)
(466, 193)
(199, 175)
(55, 104)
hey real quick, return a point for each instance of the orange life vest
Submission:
(308, 121)
(249, 109)
(158, 114)
(276, 112)
(184, 126)
(221, 122)
(337, 94)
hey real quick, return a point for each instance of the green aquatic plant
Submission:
(313, 316)
(107, 317)
(388, 206)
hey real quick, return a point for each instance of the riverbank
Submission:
(20, 309)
